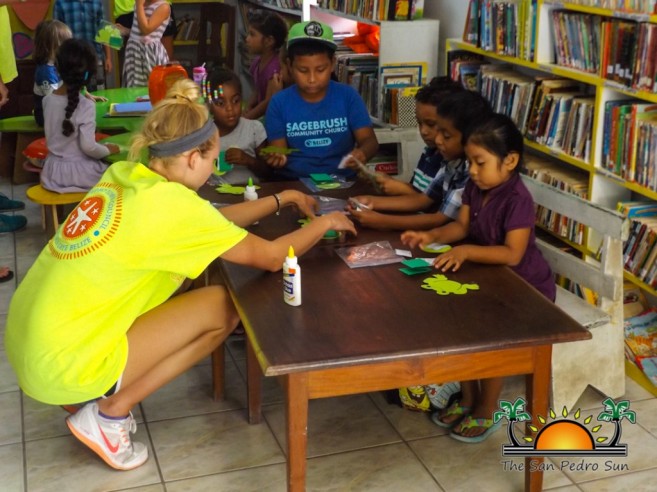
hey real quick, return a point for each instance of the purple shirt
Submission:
(510, 206)
(261, 77)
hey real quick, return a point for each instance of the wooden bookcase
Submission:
(604, 187)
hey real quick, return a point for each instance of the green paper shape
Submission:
(330, 234)
(443, 286)
(231, 189)
(319, 178)
(328, 186)
(416, 263)
(436, 248)
(414, 271)
(271, 149)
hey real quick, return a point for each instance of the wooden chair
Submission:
(49, 199)
(600, 361)
(216, 17)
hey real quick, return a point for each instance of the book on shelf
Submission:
(640, 333)
(379, 10)
(564, 178)
(639, 250)
(630, 6)
(634, 300)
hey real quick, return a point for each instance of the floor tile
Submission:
(271, 478)
(11, 468)
(10, 418)
(8, 381)
(631, 482)
(191, 394)
(410, 425)
(212, 443)
(337, 424)
(64, 463)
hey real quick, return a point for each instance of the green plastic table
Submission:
(123, 141)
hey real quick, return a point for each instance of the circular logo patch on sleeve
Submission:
(91, 224)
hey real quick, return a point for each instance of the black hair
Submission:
(269, 24)
(500, 136)
(221, 76)
(464, 109)
(435, 89)
(76, 63)
(307, 47)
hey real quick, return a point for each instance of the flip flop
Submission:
(454, 409)
(469, 422)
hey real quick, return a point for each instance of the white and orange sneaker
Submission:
(109, 439)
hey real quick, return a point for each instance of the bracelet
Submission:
(278, 203)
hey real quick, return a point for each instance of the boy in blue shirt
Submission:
(325, 120)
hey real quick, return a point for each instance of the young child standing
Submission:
(144, 49)
(115, 329)
(266, 34)
(324, 120)
(448, 118)
(48, 37)
(497, 218)
(73, 162)
(241, 138)
(84, 18)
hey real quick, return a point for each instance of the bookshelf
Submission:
(585, 61)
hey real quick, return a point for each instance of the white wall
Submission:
(451, 14)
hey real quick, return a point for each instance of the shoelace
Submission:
(127, 428)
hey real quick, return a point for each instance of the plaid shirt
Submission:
(83, 17)
(447, 187)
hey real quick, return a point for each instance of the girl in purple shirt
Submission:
(497, 218)
(267, 33)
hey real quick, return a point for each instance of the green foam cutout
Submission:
(443, 286)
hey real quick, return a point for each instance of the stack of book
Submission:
(639, 251)
(630, 140)
(187, 29)
(465, 67)
(561, 117)
(379, 10)
(506, 28)
(579, 51)
(639, 6)
(564, 178)
(360, 70)
(285, 4)
(641, 342)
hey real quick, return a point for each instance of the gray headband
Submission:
(186, 142)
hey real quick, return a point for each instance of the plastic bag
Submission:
(371, 254)
(328, 204)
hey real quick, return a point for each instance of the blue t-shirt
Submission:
(46, 80)
(322, 131)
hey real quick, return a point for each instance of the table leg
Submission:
(254, 384)
(538, 393)
(296, 407)
(219, 373)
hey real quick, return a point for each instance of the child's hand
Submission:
(416, 238)
(95, 99)
(125, 32)
(367, 218)
(113, 148)
(237, 156)
(391, 186)
(275, 160)
(452, 259)
(362, 202)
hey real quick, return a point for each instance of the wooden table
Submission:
(369, 329)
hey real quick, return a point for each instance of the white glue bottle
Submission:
(250, 193)
(291, 279)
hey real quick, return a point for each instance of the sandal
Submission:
(468, 423)
(454, 410)
(6, 274)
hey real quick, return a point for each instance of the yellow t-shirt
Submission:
(7, 59)
(123, 251)
(123, 7)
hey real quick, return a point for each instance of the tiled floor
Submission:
(355, 443)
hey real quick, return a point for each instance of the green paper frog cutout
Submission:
(443, 286)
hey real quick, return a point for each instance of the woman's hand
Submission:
(452, 259)
(339, 222)
(306, 204)
(414, 239)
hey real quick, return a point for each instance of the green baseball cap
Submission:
(312, 31)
